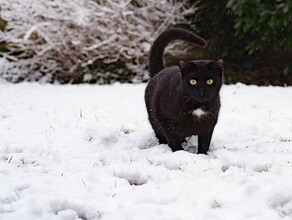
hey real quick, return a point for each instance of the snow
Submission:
(191, 144)
(88, 152)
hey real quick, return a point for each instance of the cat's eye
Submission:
(210, 82)
(193, 82)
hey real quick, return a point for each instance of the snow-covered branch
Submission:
(84, 40)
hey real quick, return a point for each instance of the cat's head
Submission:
(202, 79)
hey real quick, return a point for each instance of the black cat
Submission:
(183, 100)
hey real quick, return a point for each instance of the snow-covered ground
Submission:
(88, 152)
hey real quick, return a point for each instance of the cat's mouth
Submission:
(201, 99)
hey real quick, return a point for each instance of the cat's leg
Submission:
(174, 143)
(173, 139)
(159, 132)
(204, 142)
(161, 139)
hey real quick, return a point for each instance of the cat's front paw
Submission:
(202, 151)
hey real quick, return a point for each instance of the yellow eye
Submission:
(210, 82)
(193, 82)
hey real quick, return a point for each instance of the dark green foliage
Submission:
(266, 25)
(247, 33)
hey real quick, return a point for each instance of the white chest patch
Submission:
(198, 112)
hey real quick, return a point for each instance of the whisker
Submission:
(186, 102)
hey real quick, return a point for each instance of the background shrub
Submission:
(75, 41)
(248, 34)
(83, 40)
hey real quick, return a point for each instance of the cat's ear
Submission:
(183, 66)
(219, 64)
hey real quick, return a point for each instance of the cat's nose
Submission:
(201, 92)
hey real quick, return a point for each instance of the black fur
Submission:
(157, 49)
(171, 99)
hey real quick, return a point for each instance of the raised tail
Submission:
(156, 53)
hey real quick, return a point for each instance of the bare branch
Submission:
(79, 37)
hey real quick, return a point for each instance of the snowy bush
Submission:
(83, 40)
